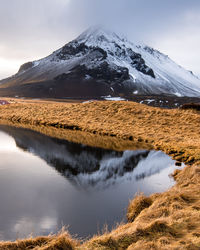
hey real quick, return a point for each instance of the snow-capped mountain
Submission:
(100, 62)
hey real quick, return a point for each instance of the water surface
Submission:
(46, 183)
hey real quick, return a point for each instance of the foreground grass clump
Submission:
(61, 241)
(137, 205)
(170, 220)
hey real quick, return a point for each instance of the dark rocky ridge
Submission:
(25, 66)
(101, 72)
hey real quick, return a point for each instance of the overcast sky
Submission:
(32, 29)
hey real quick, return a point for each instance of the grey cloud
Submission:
(136, 17)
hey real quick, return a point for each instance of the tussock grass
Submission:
(53, 242)
(137, 205)
(170, 220)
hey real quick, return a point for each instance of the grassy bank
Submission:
(174, 131)
(161, 221)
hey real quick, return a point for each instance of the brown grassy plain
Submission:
(170, 220)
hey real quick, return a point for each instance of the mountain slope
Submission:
(100, 62)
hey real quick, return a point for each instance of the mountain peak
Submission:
(98, 34)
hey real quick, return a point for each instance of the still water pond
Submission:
(46, 183)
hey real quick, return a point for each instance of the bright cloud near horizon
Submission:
(33, 29)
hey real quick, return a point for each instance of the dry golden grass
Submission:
(90, 139)
(52, 242)
(170, 220)
(137, 205)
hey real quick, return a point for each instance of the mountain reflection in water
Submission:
(87, 167)
(46, 183)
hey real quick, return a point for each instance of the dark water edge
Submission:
(46, 183)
